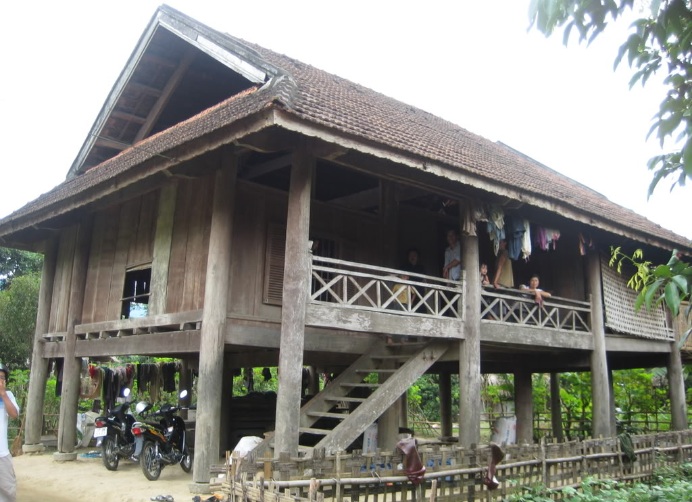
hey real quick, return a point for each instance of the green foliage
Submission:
(670, 485)
(14, 263)
(660, 40)
(18, 304)
(575, 400)
(670, 283)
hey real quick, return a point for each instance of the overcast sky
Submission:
(471, 62)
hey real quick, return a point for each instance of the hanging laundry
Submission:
(514, 233)
(496, 226)
(526, 241)
(546, 237)
(585, 244)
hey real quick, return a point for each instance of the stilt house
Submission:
(233, 207)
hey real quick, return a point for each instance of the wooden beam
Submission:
(72, 367)
(211, 348)
(39, 366)
(163, 239)
(600, 388)
(377, 322)
(153, 344)
(295, 298)
(129, 117)
(166, 93)
(470, 348)
(144, 89)
(257, 170)
(112, 143)
(514, 334)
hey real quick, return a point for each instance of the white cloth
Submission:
(526, 241)
(4, 419)
(452, 254)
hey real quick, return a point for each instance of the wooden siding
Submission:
(189, 249)
(122, 238)
(63, 276)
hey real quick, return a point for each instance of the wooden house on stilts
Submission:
(259, 211)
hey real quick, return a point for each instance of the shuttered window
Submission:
(274, 264)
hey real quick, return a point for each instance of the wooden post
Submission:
(39, 366)
(389, 212)
(556, 407)
(294, 302)
(523, 405)
(611, 393)
(676, 380)
(214, 315)
(470, 348)
(314, 386)
(184, 383)
(600, 389)
(446, 403)
(388, 423)
(403, 410)
(162, 248)
(67, 433)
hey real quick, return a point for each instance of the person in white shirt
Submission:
(8, 409)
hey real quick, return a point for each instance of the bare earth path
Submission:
(41, 479)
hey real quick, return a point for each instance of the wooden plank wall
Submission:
(189, 248)
(123, 237)
(63, 277)
(256, 209)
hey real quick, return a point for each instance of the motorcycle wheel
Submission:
(151, 466)
(108, 454)
(186, 463)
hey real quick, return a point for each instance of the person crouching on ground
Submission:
(8, 409)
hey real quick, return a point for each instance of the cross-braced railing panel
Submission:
(367, 287)
(508, 306)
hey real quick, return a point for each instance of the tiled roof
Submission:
(329, 101)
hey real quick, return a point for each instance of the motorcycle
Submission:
(164, 441)
(115, 432)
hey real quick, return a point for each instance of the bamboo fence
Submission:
(452, 473)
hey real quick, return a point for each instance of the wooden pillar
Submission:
(611, 393)
(403, 410)
(388, 423)
(556, 407)
(33, 421)
(214, 315)
(523, 405)
(676, 380)
(162, 248)
(470, 348)
(600, 388)
(446, 404)
(294, 302)
(67, 433)
(314, 385)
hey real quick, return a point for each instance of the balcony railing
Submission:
(512, 306)
(366, 287)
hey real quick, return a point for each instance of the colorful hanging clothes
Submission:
(496, 226)
(545, 237)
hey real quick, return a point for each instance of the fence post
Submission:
(544, 464)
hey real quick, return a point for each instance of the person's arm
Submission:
(10, 408)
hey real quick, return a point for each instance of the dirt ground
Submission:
(40, 478)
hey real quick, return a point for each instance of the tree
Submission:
(660, 40)
(14, 263)
(670, 283)
(18, 305)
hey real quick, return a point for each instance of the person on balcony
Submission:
(504, 275)
(485, 281)
(533, 288)
(452, 267)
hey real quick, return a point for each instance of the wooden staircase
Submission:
(362, 403)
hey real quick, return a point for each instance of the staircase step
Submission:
(312, 430)
(361, 385)
(339, 416)
(346, 399)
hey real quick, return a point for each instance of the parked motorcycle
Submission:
(165, 441)
(115, 429)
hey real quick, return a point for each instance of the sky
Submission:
(473, 63)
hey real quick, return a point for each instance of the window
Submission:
(135, 301)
